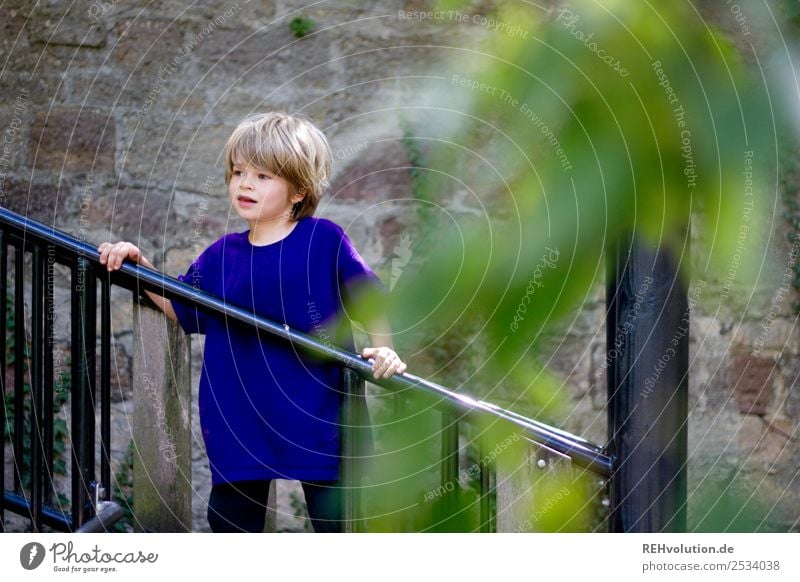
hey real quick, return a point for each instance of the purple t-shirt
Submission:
(266, 410)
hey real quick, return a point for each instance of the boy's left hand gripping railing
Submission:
(583, 454)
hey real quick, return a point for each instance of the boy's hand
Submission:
(114, 254)
(386, 362)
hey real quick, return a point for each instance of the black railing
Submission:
(27, 235)
(34, 424)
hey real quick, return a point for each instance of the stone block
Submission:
(269, 60)
(44, 201)
(791, 405)
(378, 174)
(391, 231)
(250, 12)
(570, 362)
(173, 152)
(311, 62)
(765, 447)
(72, 140)
(15, 51)
(177, 260)
(240, 52)
(15, 116)
(156, 61)
(147, 44)
(102, 89)
(229, 100)
(751, 379)
(598, 375)
(75, 25)
(199, 219)
(130, 213)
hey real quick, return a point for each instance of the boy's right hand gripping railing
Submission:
(456, 408)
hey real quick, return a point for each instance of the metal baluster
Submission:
(353, 421)
(105, 386)
(19, 367)
(449, 465)
(487, 515)
(37, 391)
(49, 385)
(83, 374)
(3, 331)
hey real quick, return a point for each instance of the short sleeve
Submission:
(354, 274)
(191, 319)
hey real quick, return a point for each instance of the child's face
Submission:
(259, 195)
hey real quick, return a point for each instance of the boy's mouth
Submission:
(245, 199)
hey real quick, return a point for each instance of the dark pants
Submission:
(241, 506)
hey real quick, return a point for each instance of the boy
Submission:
(266, 411)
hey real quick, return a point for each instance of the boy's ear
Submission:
(299, 196)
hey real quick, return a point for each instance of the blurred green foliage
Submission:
(644, 149)
(580, 124)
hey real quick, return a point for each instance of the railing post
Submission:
(448, 468)
(162, 465)
(525, 486)
(648, 337)
(352, 430)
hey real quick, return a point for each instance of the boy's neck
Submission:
(268, 232)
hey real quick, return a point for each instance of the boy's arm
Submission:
(114, 254)
(386, 361)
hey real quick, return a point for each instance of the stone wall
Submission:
(116, 117)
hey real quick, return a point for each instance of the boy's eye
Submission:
(237, 172)
(264, 177)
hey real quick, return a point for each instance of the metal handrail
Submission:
(584, 454)
(107, 514)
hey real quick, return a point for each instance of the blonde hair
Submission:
(288, 146)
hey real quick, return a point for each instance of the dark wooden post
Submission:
(648, 355)
(162, 466)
